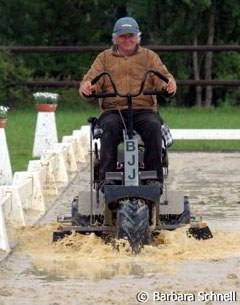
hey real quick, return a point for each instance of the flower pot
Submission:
(46, 107)
(3, 123)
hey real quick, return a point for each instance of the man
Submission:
(127, 62)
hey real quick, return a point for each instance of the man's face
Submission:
(127, 42)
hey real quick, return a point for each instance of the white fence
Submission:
(47, 177)
(206, 134)
(33, 191)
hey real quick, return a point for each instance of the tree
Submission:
(165, 22)
(191, 22)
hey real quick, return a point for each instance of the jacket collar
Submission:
(115, 51)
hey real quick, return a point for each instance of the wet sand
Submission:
(84, 270)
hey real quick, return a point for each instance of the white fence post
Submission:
(13, 208)
(46, 175)
(5, 165)
(69, 156)
(4, 243)
(36, 200)
(45, 133)
(58, 166)
(84, 138)
(76, 143)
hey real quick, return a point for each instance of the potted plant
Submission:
(3, 116)
(45, 101)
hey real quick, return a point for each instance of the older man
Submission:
(127, 62)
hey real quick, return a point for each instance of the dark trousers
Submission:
(147, 123)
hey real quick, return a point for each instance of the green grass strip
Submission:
(21, 128)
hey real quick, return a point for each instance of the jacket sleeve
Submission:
(157, 64)
(96, 68)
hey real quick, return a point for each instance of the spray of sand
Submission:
(89, 255)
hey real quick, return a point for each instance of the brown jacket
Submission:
(127, 73)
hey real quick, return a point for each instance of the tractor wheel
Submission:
(133, 223)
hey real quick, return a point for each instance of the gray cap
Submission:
(126, 25)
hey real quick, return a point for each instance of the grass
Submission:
(20, 132)
(21, 127)
(202, 118)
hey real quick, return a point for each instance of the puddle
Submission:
(42, 274)
(89, 257)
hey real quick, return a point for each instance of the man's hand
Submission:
(171, 86)
(86, 88)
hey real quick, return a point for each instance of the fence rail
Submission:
(87, 49)
(75, 84)
(84, 49)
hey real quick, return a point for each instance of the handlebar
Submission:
(127, 95)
